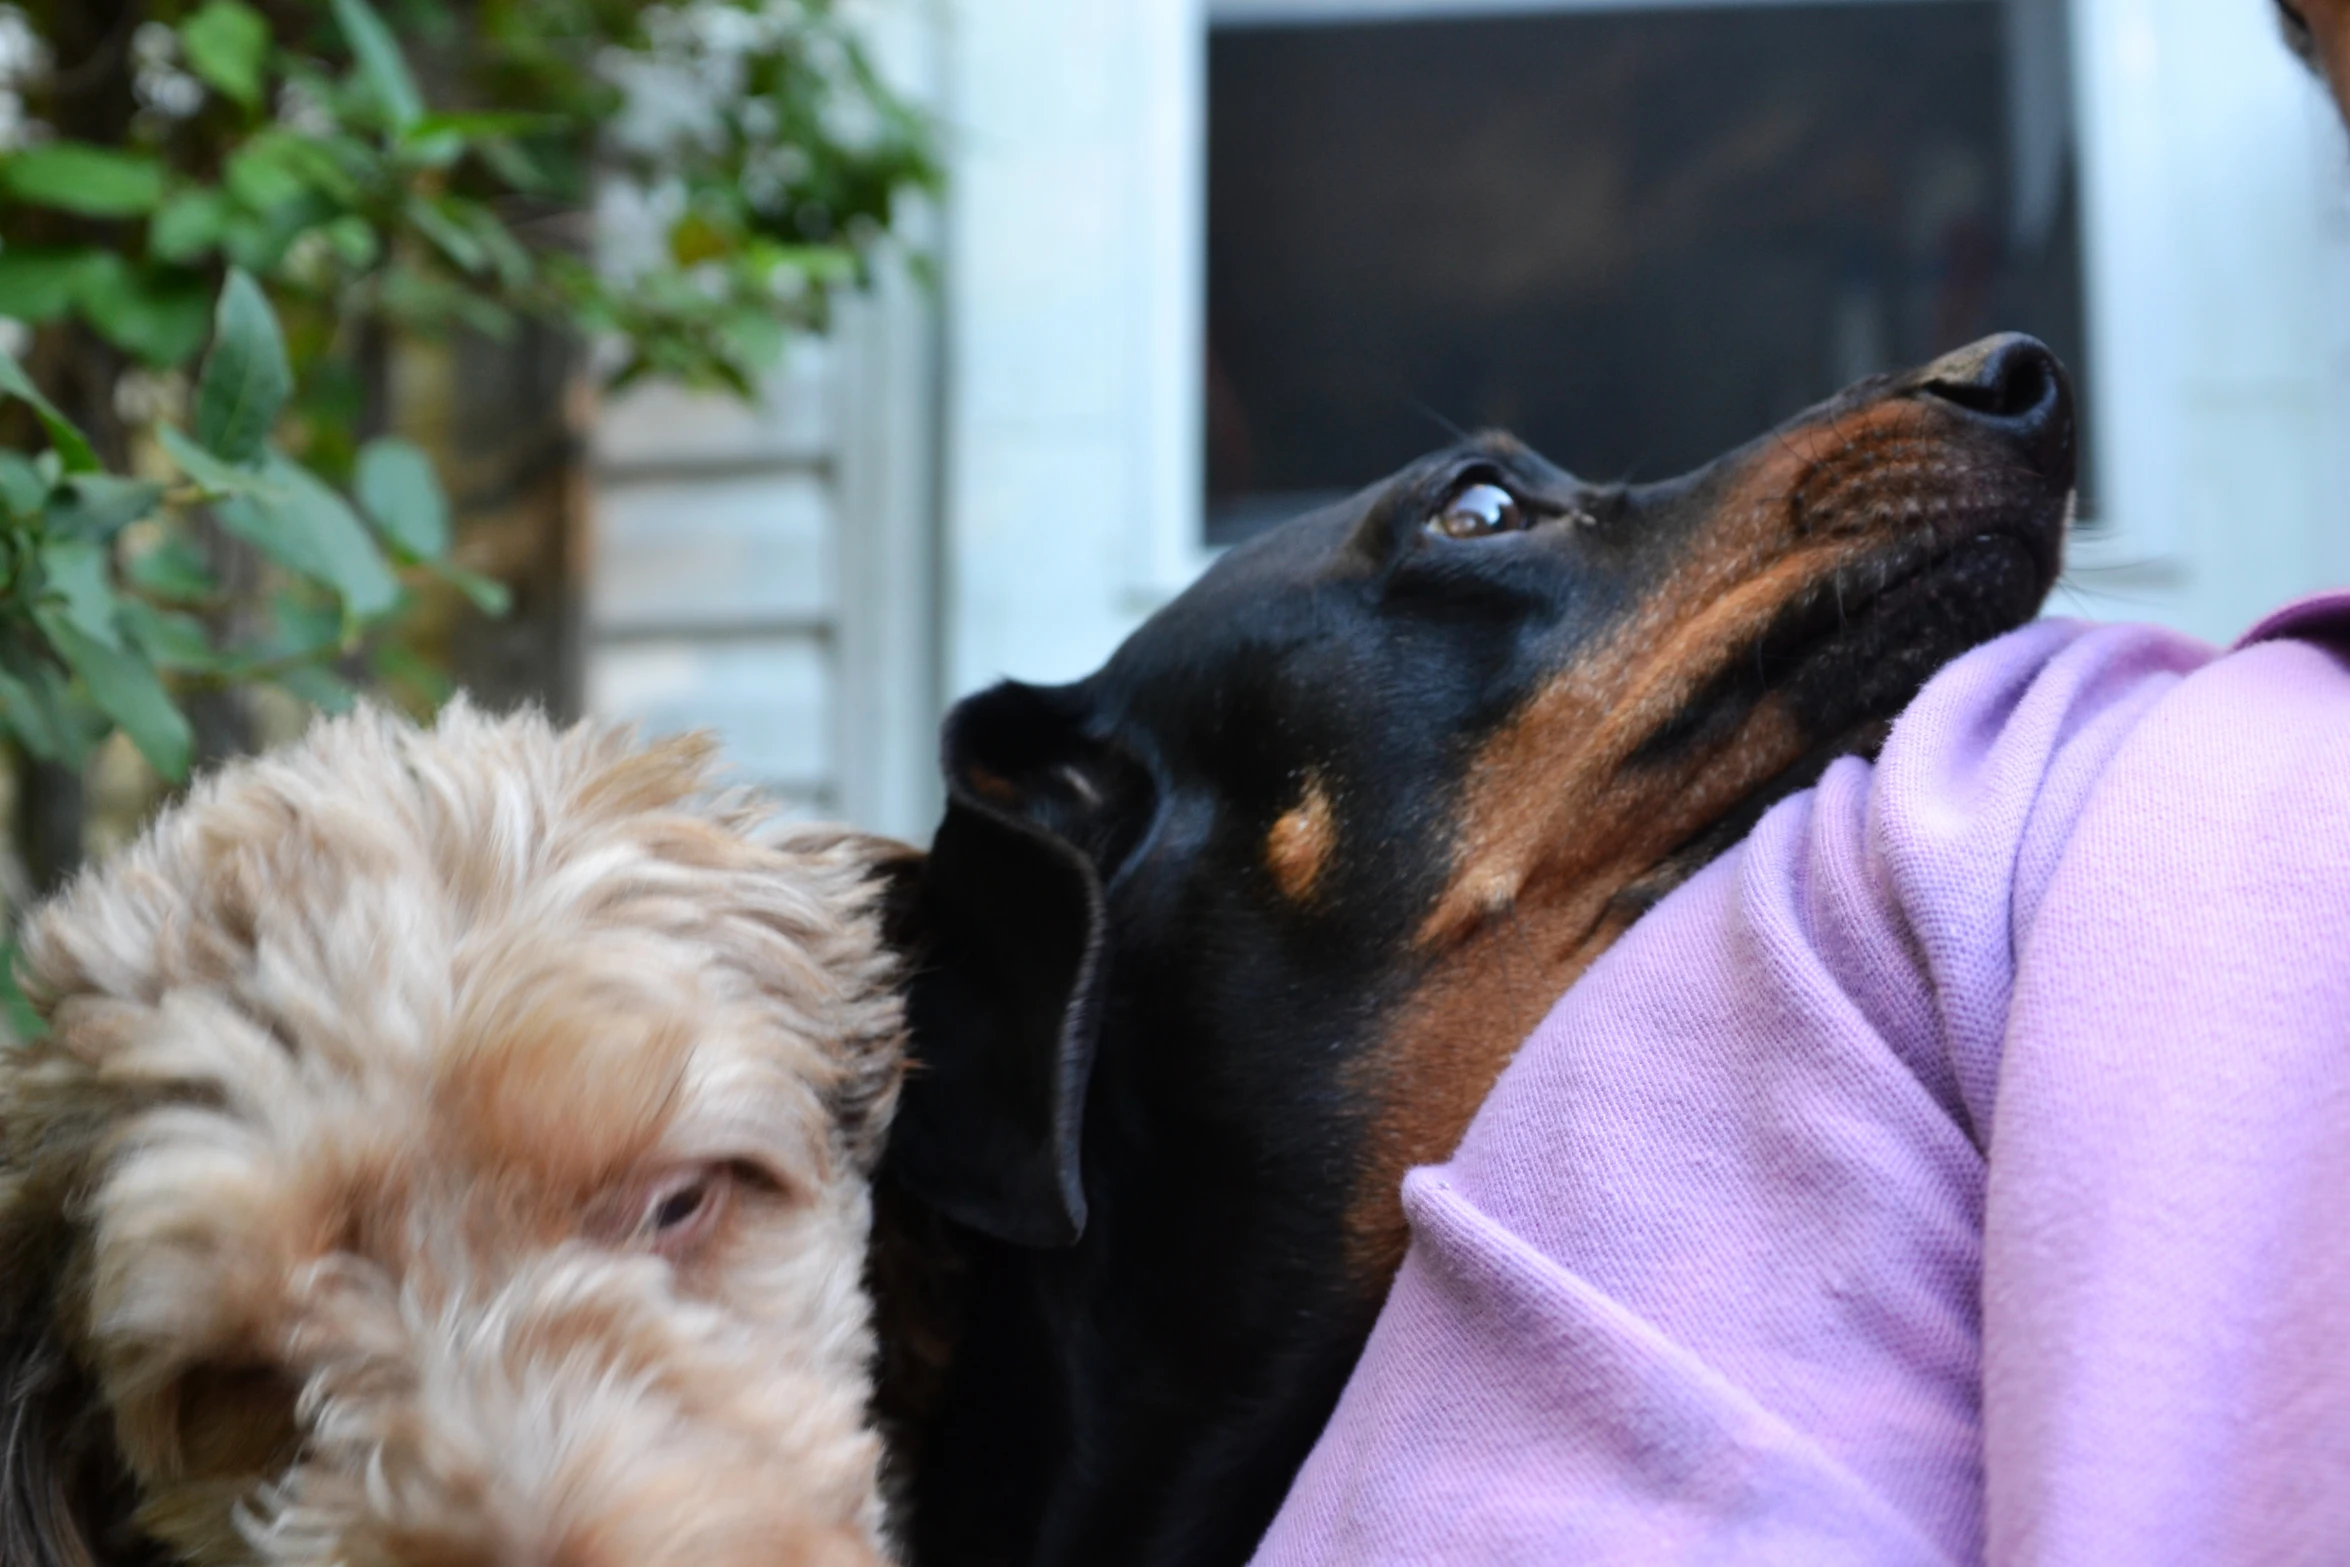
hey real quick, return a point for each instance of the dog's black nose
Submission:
(2015, 385)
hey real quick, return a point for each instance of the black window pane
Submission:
(1633, 237)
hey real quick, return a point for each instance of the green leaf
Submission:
(435, 149)
(506, 252)
(23, 488)
(489, 595)
(509, 162)
(38, 285)
(452, 236)
(438, 140)
(353, 239)
(297, 521)
(29, 718)
(478, 125)
(156, 313)
(246, 378)
(170, 639)
(755, 338)
(694, 239)
(208, 471)
(188, 225)
(381, 66)
(414, 298)
(262, 175)
(53, 722)
(127, 690)
(321, 688)
(259, 244)
(816, 263)
(23, 1023)
(72, 176)
(175, 570)
(424, 683)
(279, 165)
(74, 582)
(73, 447)
(97, 506)
(298, 627)
(400, 491)
(226, 43)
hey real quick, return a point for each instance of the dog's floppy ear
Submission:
(65, 1498)
(1011, 940)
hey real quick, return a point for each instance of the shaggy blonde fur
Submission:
(448, 1150)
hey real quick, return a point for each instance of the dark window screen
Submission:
(1635, 238)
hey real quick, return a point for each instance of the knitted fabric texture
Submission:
(1958, 1170)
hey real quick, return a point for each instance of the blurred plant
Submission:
(305, 182)
(758, 126)
(105, 586)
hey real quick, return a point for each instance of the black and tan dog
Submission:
(1226, 936)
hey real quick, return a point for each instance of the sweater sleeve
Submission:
(1703, 1281)
(2167, 1234)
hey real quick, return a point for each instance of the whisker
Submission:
(1428, 413)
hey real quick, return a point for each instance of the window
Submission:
(1634, 235)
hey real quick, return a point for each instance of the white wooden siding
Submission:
(738, 551)
(768, 698)
(769, 572)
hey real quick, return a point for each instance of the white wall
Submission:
(1074, 260)
(2218, 209)
(713, 594)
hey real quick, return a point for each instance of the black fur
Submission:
(1133, 1088)
(66, 1499)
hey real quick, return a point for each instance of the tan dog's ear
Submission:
(65, 1498)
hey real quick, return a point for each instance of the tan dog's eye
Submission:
(682, 1212)
(669, 1215)
(1476, 511)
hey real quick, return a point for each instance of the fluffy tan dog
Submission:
(448, 1150)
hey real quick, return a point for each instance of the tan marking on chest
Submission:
(1299, 847)
(1446, 1045)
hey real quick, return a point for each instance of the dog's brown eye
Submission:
(680, 1209)
(1476, 511)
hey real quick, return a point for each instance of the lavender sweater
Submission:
(1958, 1170)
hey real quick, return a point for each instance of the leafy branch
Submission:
(235, 209)
(310, 158)
(92, 559)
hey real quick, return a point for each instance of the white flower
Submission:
(24, 54)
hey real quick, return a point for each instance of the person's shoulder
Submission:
(2321, 617)
(2059, 694)
(2276, 704)
(2013, 704)
(2004, 744)
(2235, 765)
(2260, 730)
